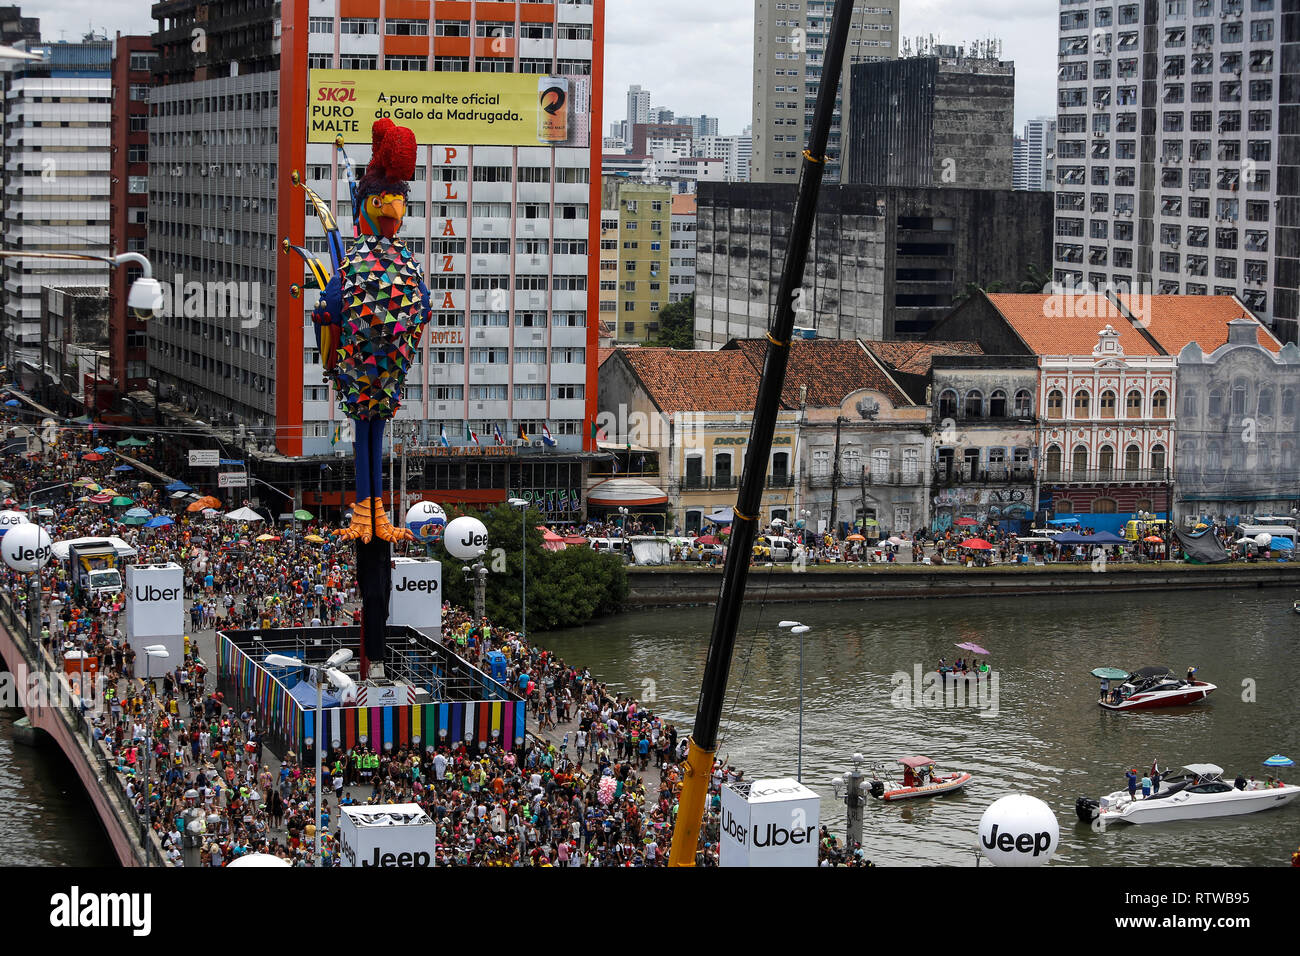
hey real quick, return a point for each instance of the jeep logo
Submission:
(1024, 843)
(428, 587)
(418, 858)
(474, 540)
(152, 593)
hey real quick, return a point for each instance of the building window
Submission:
(1107, 404)
(1080, 463)
(1133, 404)
(1055, 404)
(1160, 404)
(1106, 461)
(1103, 506)
(1081, 404)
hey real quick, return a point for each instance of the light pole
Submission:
(476, 574)
(161, 652)
(850, 788)
(347, 690)
(801, 630)
(522, 505)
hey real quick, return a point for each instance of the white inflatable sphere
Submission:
(465, 538)
(1019, 830)
(1264, 540)
(26, 548)
(426, 520)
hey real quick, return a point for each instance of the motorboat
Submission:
(1296, 607)
(920, 779)
(1151, 687)
(1196, 792)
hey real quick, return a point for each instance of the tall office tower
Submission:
(57, 114)
(638, 107)
(1171, 171)
(732, 150)
(789, 46)
(1035, 155)
(134, 60)
(500, 218)
(701, 125)
(942, 120)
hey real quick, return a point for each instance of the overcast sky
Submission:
(697, 57)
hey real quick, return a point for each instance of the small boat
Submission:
(1151, 687)
(920, 779)
(1196, 792)
(1296, 607)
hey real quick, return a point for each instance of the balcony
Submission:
(722, 482)
(1107, 476)
(895, 478)
(961, 473)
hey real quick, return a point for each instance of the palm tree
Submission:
(972, 288)
(1035, 280)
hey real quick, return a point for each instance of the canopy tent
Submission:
(915, 762)
(725, 516)
(304, 692)
(1072, 537)
(617, 492)
(132, 442)
(1106, 537)
(242, 514)
(177, 486)
(161, 521)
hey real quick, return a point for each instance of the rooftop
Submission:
(1068, 324)
(676, 380)
(1176, 320)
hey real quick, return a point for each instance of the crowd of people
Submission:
(598, 786)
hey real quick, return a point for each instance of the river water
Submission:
(46, 819)
(1045, 737)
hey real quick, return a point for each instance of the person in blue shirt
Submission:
(1132, 778)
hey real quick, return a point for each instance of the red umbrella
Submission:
(978, 544)
(967, 522)
(92, 456)
(707, 539)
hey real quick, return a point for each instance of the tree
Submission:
(677, 325)
(565, 588)
(1035, 280)
(972, 288)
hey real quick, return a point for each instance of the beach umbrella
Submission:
(92, 456)
(855, 537)
(267, 537)
(973, 648)
(139, 513)
(314, 539)
(133, 520)
(707, 539)
(210, 512)
(977, 544)
(103, 449)
(243, 514)
(1110, 673)
(195, 506)
(896, 540)
(177, 486)
(124, 468)
(12, 403)
(1277, 760)
(100, 499)
(122, 501)
(132, 442)
(1154, 539)
(301, 515)
(967, 522)
(162, 521)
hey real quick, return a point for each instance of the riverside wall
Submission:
(661, 587)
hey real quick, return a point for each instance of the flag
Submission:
(595, 433)
(442, 437)
(470, 434)
(546, 437)
(522, 434)
(496, 432)
(334, 439)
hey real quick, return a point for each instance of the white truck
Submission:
(94, 564)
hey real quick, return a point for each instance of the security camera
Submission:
(145, 298)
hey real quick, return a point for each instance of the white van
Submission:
(610, 546)
(782, 549)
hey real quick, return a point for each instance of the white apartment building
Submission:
(681, 249)
(789, 46)
(508, 342)
(1176, 181)
(56, 183)
(732, 150)
(1035, 155)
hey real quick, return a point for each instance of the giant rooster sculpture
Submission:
(373, 308)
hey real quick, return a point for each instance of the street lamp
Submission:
(476, 574)
(852, 789)
(347, 689)
(522, 505)
(801, 630)
(160, 652)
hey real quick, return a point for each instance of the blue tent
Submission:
(1064, 522)
(1106, 537)
(1072, 537)
(1281, 544)
(161, 521)
(178, 486)
(725, 516)
(304, 692)
(124, 468)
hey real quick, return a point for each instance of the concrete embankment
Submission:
(675, 585)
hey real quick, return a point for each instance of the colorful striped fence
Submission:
(492, 722)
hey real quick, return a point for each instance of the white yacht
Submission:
(1196, 792)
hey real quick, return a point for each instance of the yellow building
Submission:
(609, 266)
(644, 223)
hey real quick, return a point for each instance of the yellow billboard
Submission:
(473, 109)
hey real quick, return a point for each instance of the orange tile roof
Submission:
(830, 368)
(683, 204)
(1067, 324)
(690, 381)
(913, 358)
(1176, 320)
(602, 354)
